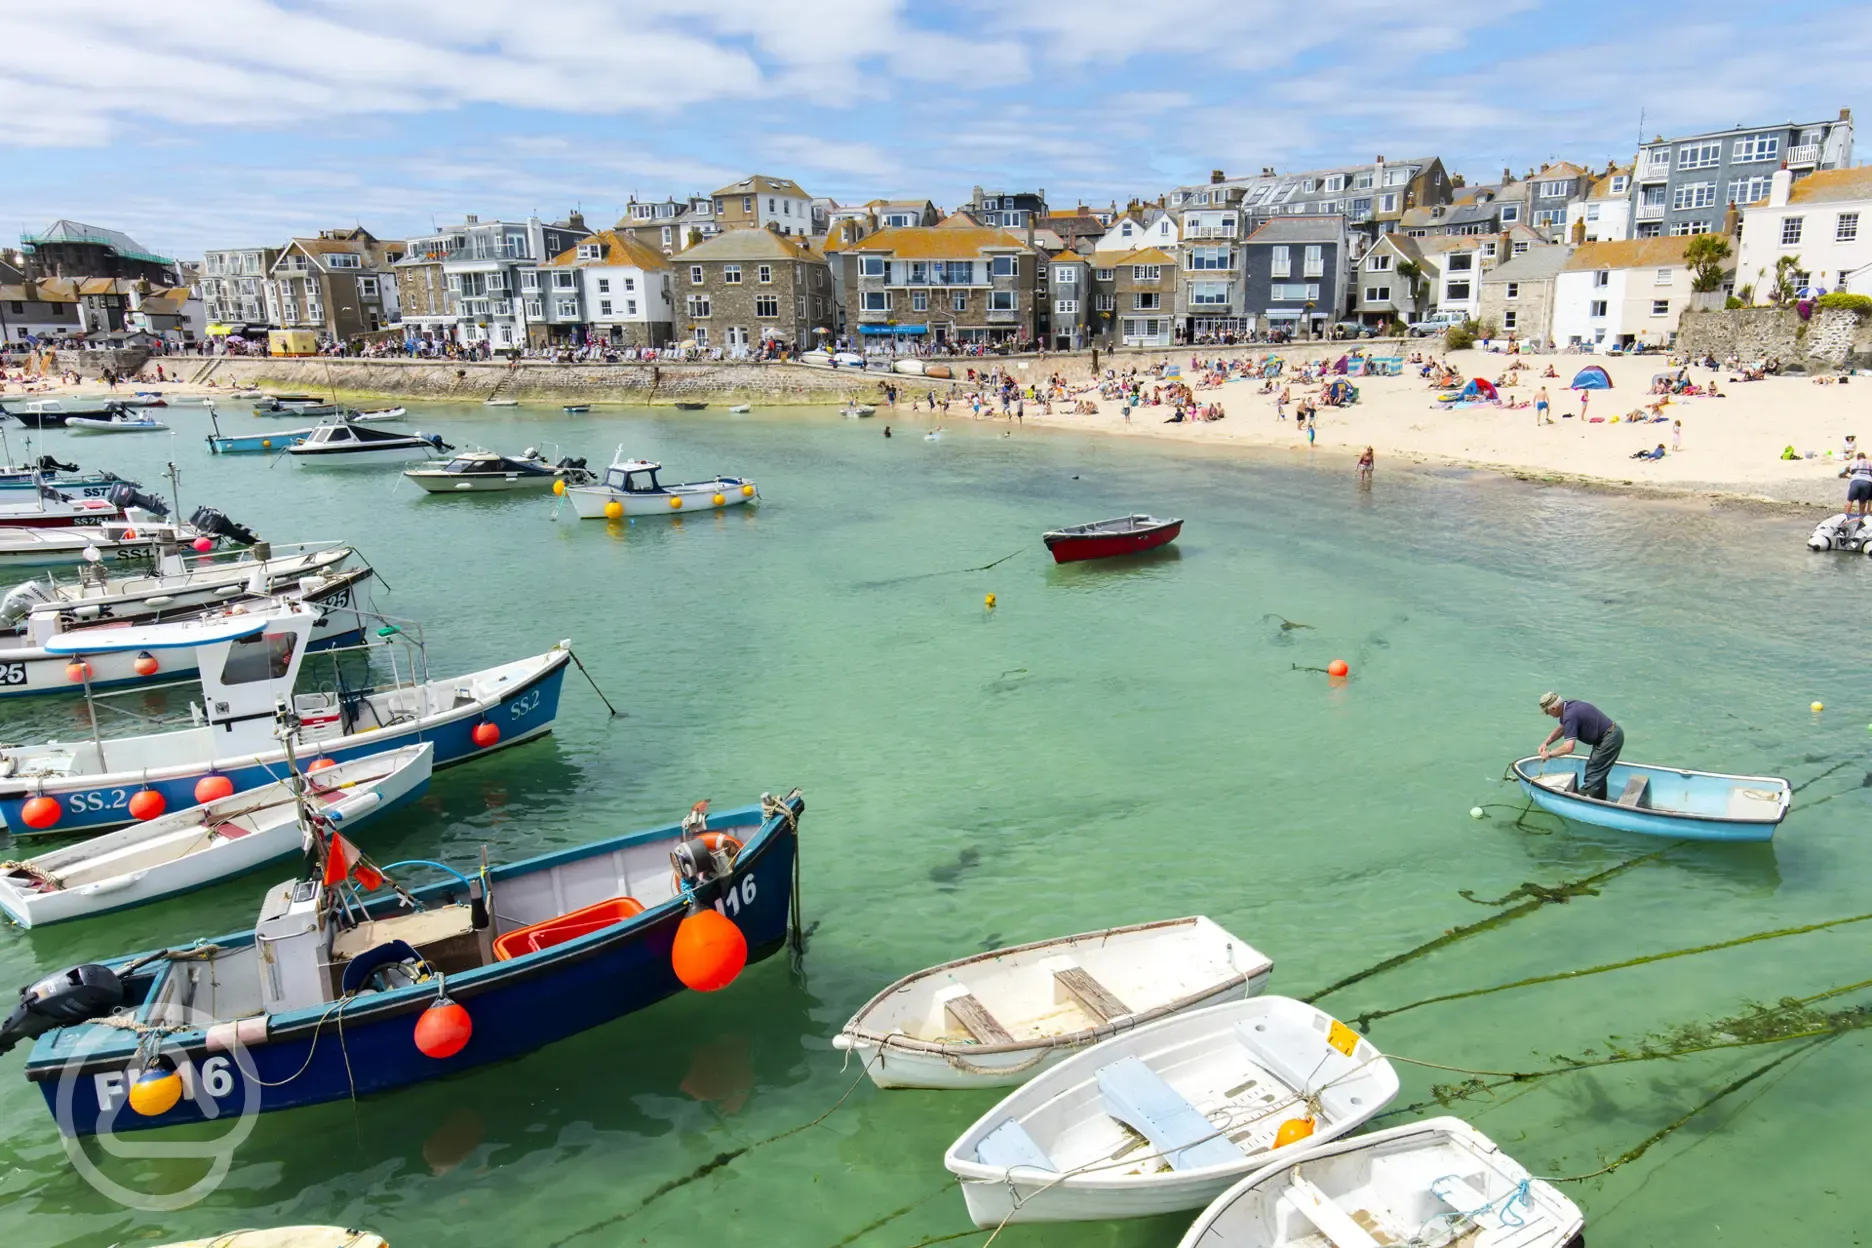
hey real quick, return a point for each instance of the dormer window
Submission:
(591, 251)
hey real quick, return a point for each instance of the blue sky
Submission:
(239, 122)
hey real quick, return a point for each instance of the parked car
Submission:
(1354, 329)
(1435, 323)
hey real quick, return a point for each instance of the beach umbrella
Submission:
(1810, 292)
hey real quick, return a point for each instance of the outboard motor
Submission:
(45, 463)
(569, 462)
(435, 440)
(88, 991)
(209, 520)
(126, 496)
(20, 601)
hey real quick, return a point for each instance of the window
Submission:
(1001, 301)
(731, 274)
(765, 274)
(1488, 250)
(264, 656)
(1657, 160)
(1553, 190)
(1791, 231)
(1363, 182)
(1377, 294)
(1757, 147)
(604, 307)
(1513, 291)
(1602, 278)
(1748, 190)
(591, 251)
(1146, 301)
(1004, 266)
(1510, 213)
(1846, 228)
(1619, 183)
(568, 307)
(1387, 203)
(699, 307)
(919, 301)
(1694, 195)
(875, 301)
(1461, 262)
(747, 204)
(367, 287)
(767, 305)
(1379, 264)
(870, 266)
(630, 307)
(1699, 155)
(695, 275)
(1660, 307)
(1066, 274)
(1680, 228)
(1598, 307)
(1124, 231)
(1592, 212)
(1313, 261)
(561, 281)
(343, 260)
(604, 285)
(630, 283)
(1509, 319)
(1146, 272)
(1102, 275)
(1214, 257)
(1280, 262)
(1457, 292)
(1207, 294)
(958, 301)
(1663, 278)
(1293, 291)
(535, 310)
(1066, 307)
(1105, 303)
(1308, 186)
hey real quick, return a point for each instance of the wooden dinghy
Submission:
(998, 1019)
(1168, 1116)
(1436, 1183)
(1660, 801)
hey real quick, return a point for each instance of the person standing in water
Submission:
(1582, 721)
(1367, 464)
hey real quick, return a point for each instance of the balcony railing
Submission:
(1003, 316)
(1805, 154)
(1650, 212)
(1210, 231)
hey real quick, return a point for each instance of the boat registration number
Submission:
(12, 673)
(215, 1077)
(99, 799)
(732, 902)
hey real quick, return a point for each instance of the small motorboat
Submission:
(741, 408)
(630, 488)
(130, 541)
(910, 366)
(858, 409)
(495, 965)
(577, 409)
(1438, 1183)
(690, 406)
(484, 472)
(347, 445)
(257, 443)
(174, 853)
(289, 1237)
(380, 414)
(118, 422)
(1659, 801)
(1843, 532)
(1000, 1018)
(147, 398)
(27, 480)
(500, 403)
(180, 581)
(1167, 1116)
(302, 406)
(1126, 535)
(53, 413)
(55, 510)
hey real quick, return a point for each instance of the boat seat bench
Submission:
(974, 1018)
(1095, 998)
(1634, 794)
(1305, 1198)
(1009, 1145)
(1138, 1097)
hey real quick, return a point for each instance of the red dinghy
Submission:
(1127, 535)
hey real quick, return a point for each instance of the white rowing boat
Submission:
(1168, 1116)
(998, 1019)
(290, 1237)
(188, 849)
(1436, 1183)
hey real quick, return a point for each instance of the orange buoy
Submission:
(203, 545)
(709, 951)
(129, 535)
(157, 1090)
(147, 804)
(1338, 667)
(212, 788)
(486, 733)
(41, 811)
(320, 764)
(1292, 1131)
(77, 671)
(146, 664)
(443, 1030)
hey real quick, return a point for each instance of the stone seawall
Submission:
(1831, 339)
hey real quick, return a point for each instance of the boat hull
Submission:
(1077, 549)
(371, 457)
(1676, 795)
(23, 486)
(481, 482)
(256, 443)
(93, 803)
(78, 424)
(591, 501)
(516, 1006)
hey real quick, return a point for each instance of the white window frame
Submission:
(764, 274)
(1513, 291)
(761, 300)
(1692, 195)
(1003, 301)
(1791, 230)
(731, 274)
(1280, 261)
(1596, 309)
(1379, 263)
(1066, 307)
(1510, 213)
(1146, 272)
(1660, 307)
(874, 301)
(1700, 155)
(1846, 227)
(1663, 277)
(871, 266)
(695, 275)
(700, 307)
(1004, 266)
(1377, 294)
(1756, 147)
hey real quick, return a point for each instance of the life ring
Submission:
(717, 841)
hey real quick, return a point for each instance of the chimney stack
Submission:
(1215, 177)
(1845, 114)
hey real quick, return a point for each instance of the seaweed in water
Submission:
(948, 872)
(1287, 625)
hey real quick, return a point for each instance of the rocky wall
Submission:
(1830, 339)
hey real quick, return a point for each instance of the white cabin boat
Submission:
(1438, 1184)
(346, 444)
(485, 472)
(179, 581)
(188, 849)
(630, 488)
(1167, 1116)
(1000, 1018)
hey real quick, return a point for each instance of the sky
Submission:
(194, 124)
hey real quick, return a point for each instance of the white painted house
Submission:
(1604, 214)
(1134, 231)
(1622, 293)
(622, 288)
(1824, 221)
(762, 202)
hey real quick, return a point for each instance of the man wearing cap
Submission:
(1582, 721)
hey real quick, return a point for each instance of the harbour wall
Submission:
(1833, 338)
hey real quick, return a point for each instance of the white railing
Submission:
(998, 315)
(1650, 212)
(1805, 154)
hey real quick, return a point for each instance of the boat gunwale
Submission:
(1072, 1039)
(1785, 805)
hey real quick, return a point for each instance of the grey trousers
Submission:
(1593, 783)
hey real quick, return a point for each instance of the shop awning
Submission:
(893, 329)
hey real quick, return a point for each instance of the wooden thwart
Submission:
(1634, 794)
(1095, 998)
(973, 1017)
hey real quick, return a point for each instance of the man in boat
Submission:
(1582, 721)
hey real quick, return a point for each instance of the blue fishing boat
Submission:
(419, 983)
(1660, 801)
(252, 443)
(248, 659)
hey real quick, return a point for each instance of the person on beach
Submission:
(1859, 487)
(1585, 397)
(1583, 722)
(1367, 463)
(1676, 437)
(1540, 408)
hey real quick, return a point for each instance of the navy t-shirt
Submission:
(1583, 722)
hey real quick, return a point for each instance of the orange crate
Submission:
(566, 927)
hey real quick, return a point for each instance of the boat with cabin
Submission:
(166, 855)
(1439, 1183)
(248, 659)
(1659, 801)
(1000, 1018)
(301, 405)
(486, 472)
(630, 488)
(1105, 539)
(182, 578)
(53, 509)
(1169, 1115)
(26, 480)
(426, 981)
(347, 445)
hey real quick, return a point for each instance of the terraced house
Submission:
(606, 288)
(1145, 286)
(341, 283)
(945, 283)
(1684, 185)
(761, 202)
(233, 287)
(1295, 271)
(744, 288)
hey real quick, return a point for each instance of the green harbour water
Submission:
(1109, 744)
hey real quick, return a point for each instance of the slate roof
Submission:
(1536, 264)
(618, 251)
(1299, 230)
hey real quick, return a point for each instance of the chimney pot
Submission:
(1215, 176)
(1845, 114)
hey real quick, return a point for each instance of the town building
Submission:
(1603, 214)
(233, 288)
(493, 275)
(341, 283)
(1012, 210)
(953, 282)
(1539, 201)
(1372, 198)
(1082, 224)
(1823, 222)
(744, 288)
(761, 202)
(1682, 185)
(1618, 294)
(1518, 296)
(74, 249)
(1393, 282)
(1145, 284)
(33, 309)
(1213, 296)
(176, 315)
(605, 288)
(1069, 291)
(1295, 271)
(669, 225)
(1141, 225)
(429, 308)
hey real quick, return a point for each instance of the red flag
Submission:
(341, 856)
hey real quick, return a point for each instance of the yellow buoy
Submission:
(156, 1091)
(747, 491)
(266, 444)
(1292, 1131)
(614, 510)
(1817, 707)
(675, 504)
(559, 485)
(989, 601)
(718, 500)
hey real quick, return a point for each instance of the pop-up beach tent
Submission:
(1481, 390)
(1592, 377)
(1341, 394)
